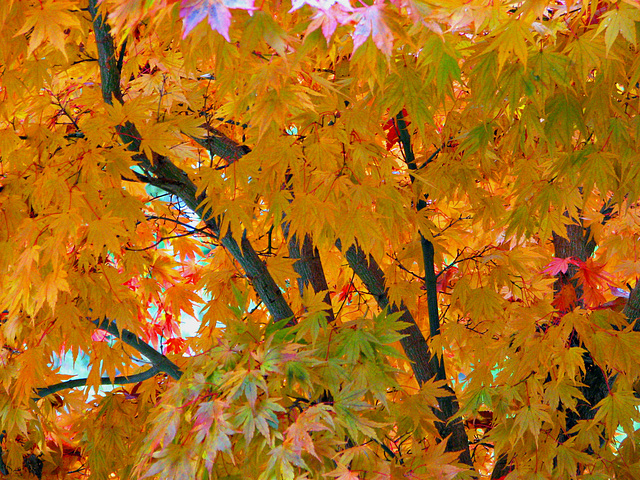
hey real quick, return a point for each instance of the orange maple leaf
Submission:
(566, 298)
(592, 277)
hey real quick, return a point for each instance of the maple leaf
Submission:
(328, 19)
(445, 278)
(512, 40)
(371, 23)
(49, 24)
(593, 278)
(566, 298)
(180, 297)
(175, 345)
(217, 11)
(391, 128)
(343, 473)
(314, 419)
(320, 4)
(53, 283)
(561, 265)
(100, 336)
(620, 21)
(618, 408)
(346, 293)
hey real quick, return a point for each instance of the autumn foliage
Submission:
(379, 239)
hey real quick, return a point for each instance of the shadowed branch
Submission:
(81, 382)
(174, 180)
(159, 361)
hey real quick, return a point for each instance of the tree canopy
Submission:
(407, 233)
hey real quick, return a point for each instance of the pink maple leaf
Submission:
(372, 23)
(618, 292)
(558, 265)
(100, 336)
(329, 20)
(319, 4)
(217, 12)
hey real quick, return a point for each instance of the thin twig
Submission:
(171, 237)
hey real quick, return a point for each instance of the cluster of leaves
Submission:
(280, 401)
(319, 183)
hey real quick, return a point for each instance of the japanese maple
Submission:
(407, 232)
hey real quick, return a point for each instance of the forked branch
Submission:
(172, 179)
(159, 361)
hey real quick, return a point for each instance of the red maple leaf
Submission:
(565, 299)
(391, 127)
(593, 278)
(558, 265)
(175, 345)
(444, 279)
(346, 292)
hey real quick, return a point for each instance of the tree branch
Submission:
(176, 181)
(107, 59)
(430, 284)
(458, 440)
(632, 308)
(308, 266)
(574, 243)
(425, 366)
(3, 467)
(220, 145)
(428, 251)
(159, 361)
(81, 382)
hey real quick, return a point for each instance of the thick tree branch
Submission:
(81, 382)
(425, 367)
(220, 145)
(3, 467)
(458, 440)
(574, 243)
(632, 308)
(259, 276)
(171, 178)
(308, 266)
(159, 361)
(107, 59)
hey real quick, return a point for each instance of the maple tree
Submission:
(407, 229)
